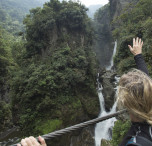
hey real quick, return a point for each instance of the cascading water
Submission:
(111, 61)
(103, 130)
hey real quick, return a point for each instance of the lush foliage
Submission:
(6, 60)
(48, 73)
(119, 131)
(55, 73)
(135, 21)
(12, 13)
(5, 115)
(102, 29)
(48, 126)
(3, 56)
(8, 55)
(55, 25)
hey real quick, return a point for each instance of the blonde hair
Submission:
(135, 93)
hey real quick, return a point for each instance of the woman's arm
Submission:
(136, 50)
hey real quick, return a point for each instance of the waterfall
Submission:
(103, 130)
(111, 61)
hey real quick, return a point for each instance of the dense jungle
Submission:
(50, 54)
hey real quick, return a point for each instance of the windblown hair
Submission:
(135, 93)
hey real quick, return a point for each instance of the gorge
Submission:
(103, 130)
(48, 69)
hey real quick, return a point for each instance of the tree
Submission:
(135, 22)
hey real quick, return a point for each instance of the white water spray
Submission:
(103, 130)
(111, 61)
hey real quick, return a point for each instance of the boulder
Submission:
(85, 137)
(108, 91)
(105, 143)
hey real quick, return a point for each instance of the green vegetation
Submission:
(48, 126)
(102, 29)
(5, 115)
(6, 60)
(50, 71)
(68, 19)
(119, 131)
(12, 13)
(135, 21)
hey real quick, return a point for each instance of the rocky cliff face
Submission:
(85, 137)
(103, 40)
(117, 6)
(103, 26)
(108, 83)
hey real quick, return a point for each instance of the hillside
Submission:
(12, 13)
(129, 27)
(48, 68)
(50, 74)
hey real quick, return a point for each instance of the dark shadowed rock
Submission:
(85, 137)
(108, 91)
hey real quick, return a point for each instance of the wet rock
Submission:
(10, 142)
(105, 143)
(84, 138)
(108, 91)
(10, 136)
(91, 107)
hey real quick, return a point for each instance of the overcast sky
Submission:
(94, 2)
(89, 2)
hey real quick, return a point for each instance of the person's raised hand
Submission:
(31, 141)
(137, 46)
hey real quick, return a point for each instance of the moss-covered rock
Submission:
(105, 142)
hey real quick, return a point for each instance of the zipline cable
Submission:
(81, 125)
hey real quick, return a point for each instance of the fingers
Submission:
(137, 46)
(18, 144)
(140, 41)
(134, 42)
(42, 141)
(23, 142)
(130, 48)
(28, 141)
(137, 41)
(31, 141)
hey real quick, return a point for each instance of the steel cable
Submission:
(79, 126)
